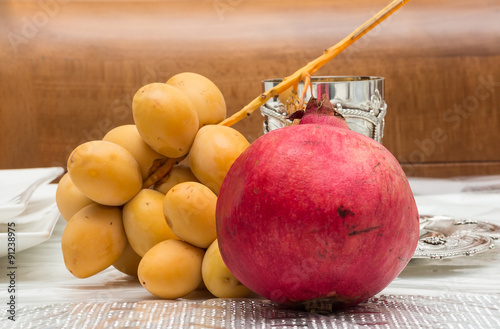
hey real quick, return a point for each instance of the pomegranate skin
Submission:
(313, 213)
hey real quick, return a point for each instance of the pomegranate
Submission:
(317, 216)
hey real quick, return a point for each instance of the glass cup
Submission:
(359, 99)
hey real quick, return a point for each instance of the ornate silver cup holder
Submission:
(360, 100)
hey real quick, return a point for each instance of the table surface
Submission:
(461, 292)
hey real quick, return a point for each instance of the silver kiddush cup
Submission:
(359, 99)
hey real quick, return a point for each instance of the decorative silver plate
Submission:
(446, 237)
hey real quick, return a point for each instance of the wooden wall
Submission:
(69, 69)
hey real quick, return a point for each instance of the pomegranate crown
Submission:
(316, 107)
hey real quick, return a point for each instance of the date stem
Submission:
(313, 66)
(160, 172)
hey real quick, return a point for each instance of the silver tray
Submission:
(447, 237)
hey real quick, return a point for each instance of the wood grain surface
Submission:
(69, 69)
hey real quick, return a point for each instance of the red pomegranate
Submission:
(316, 215)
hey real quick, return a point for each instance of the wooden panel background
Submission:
(69, 69)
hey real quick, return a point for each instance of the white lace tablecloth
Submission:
(461, 292)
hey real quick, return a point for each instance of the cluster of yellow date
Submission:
(165, 234)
